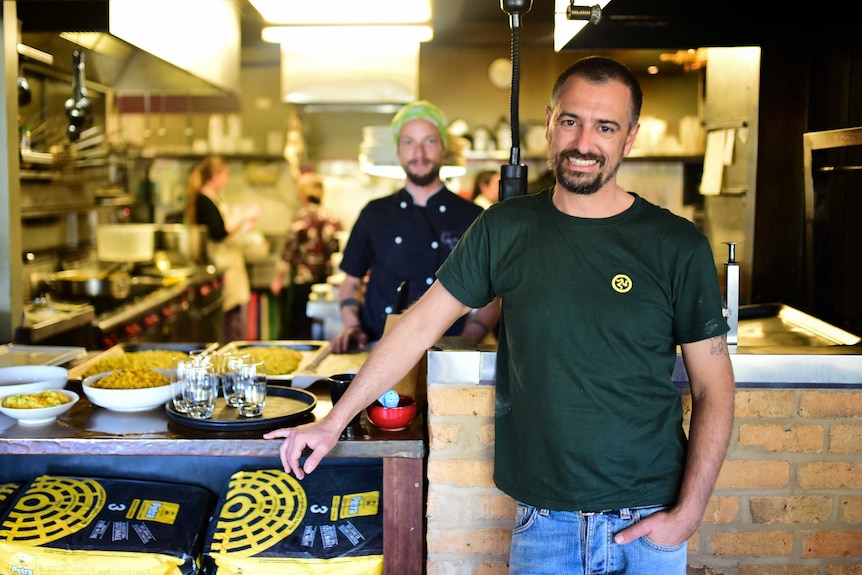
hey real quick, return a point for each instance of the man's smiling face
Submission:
(589, 134)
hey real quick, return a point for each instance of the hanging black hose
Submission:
(513, 176)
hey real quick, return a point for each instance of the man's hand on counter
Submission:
(319, 437)
(352, 337)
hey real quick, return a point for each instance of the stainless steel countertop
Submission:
(793, 367)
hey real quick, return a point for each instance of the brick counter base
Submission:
(788, 500)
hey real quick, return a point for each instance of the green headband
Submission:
(421, 110)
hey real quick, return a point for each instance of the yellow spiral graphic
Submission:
(51, 508)
(7, 489)
(621, 283)
(261, 508)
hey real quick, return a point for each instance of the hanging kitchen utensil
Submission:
(189, 131)
(25, 96)
(161, 131)
(147, 131)
(78, 106)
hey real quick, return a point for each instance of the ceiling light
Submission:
(334, 38)
(344, 11)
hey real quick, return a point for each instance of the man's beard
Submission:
(576, 182)
(423, 179)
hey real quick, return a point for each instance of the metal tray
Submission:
(13, 354)
(776, 324)
(284, 406)
(313, 352)
(77, 373)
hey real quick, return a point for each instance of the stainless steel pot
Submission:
(87, 284)
(190, 241)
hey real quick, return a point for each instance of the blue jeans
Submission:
(572, 543)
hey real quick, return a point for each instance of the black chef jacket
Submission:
(396, 240)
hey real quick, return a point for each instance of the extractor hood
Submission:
(191, 47)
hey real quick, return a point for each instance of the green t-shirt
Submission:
(587, 415)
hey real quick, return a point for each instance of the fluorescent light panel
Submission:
(313, 39)
(306, 12)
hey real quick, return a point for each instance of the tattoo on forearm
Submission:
(719, 346)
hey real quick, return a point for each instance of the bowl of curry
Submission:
(38, 408)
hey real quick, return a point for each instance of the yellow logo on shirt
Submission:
(621, 283)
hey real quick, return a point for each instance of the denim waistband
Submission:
(624, 512)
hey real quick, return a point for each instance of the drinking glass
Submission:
(200, 356)
(228, 370)
(200, 390)
(250, 388)
(178, 383)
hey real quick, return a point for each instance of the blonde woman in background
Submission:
(205, 206)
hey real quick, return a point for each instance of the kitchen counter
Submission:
(89, 440)
(794, 442)
(753, 367)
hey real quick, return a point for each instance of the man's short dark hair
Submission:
(597, 70)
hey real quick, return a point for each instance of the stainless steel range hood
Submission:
(141, 47)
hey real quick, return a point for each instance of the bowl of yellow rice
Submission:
(133, 389)
(38, 407)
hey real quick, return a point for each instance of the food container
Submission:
(121, 355)
(31, 378)
(40, 415)
(392, 418)
(127, 400)
(125, 242)
(305, 374)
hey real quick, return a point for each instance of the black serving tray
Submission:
(284, 406)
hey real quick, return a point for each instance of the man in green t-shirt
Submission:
(598, 288)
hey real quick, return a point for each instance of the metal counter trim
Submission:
(221, 447)
(826, 368)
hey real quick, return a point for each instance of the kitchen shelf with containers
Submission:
(56, 193)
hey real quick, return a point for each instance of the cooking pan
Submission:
(85, 284)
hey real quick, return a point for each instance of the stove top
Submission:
(46, 318)
(154, 300)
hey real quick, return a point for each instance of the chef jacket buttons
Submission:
(388, 309)
(435, 245)
(442, 209)
(403, 205)
(429, 281)
(399, 240)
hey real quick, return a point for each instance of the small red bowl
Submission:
(392, 418)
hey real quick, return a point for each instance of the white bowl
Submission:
(127, 399)
(20, 379)
(40, 415)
